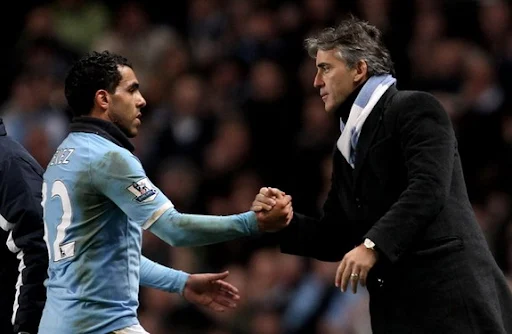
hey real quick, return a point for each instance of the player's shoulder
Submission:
(112, 159)
(92, 141)
(98, 147)
(96, 154)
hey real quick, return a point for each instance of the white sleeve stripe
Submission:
(11, 245)
(19, 284)
(157, 214)
(5, 225)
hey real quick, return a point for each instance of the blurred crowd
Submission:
(231, 108)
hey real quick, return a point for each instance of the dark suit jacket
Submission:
(435, 273)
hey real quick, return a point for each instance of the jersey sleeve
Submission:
(157, 276)
(188, 230)
(119, 175)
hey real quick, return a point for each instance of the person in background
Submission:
(22, 247)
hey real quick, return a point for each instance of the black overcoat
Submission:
(435, 273)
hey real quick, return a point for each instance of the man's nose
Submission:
(142, 102)
(318, 82)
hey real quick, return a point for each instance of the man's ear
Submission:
(102, 99)
(361, 71)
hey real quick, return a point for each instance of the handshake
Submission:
(273, 209)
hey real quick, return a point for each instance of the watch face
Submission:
(369, 244)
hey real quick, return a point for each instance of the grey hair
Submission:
(354, 40)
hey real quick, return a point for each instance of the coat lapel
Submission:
(369, 130)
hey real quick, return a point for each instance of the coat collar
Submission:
(369, 130)
(102, 128)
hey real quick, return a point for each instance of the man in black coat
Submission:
(22, 248)
(397, 214)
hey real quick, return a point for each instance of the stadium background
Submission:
(231, 108)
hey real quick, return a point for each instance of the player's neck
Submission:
(106, 129)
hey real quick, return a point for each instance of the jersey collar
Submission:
(102, 128)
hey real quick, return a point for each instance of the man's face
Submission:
(126, 102)
(334, 79)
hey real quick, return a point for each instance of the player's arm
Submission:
(21, 215)
(156, 276)
(120, 176)
(178, 229)
(207, 290)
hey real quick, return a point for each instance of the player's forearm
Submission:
(179, 229)
(156, 276)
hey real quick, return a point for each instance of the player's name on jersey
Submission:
(61, 157)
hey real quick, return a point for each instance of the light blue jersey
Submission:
(96, 198)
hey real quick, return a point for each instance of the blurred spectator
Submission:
(494, 21)
(270, 114)
(31, 118)
(481, 102)
(78, 23)
(316, 134)
(135, 36)
(207, 28)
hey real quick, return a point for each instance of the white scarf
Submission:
(369, 95)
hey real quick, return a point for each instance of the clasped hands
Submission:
(273, 209)
(274, 212)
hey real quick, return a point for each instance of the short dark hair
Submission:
(354, 40)
(92, 72)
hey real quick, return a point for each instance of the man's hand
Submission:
(273, 209)
(211, 291)
(354, 267)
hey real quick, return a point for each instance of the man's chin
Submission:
(329, 109)
(132, 133)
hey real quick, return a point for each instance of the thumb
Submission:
(276, 192)
(217, 276)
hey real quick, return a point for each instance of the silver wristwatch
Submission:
(369, 244)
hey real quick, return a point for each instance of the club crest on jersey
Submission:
(143, 190)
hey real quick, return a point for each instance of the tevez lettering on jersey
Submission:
(143, 190)
(61, 156)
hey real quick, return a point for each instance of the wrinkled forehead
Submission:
(327, 56)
